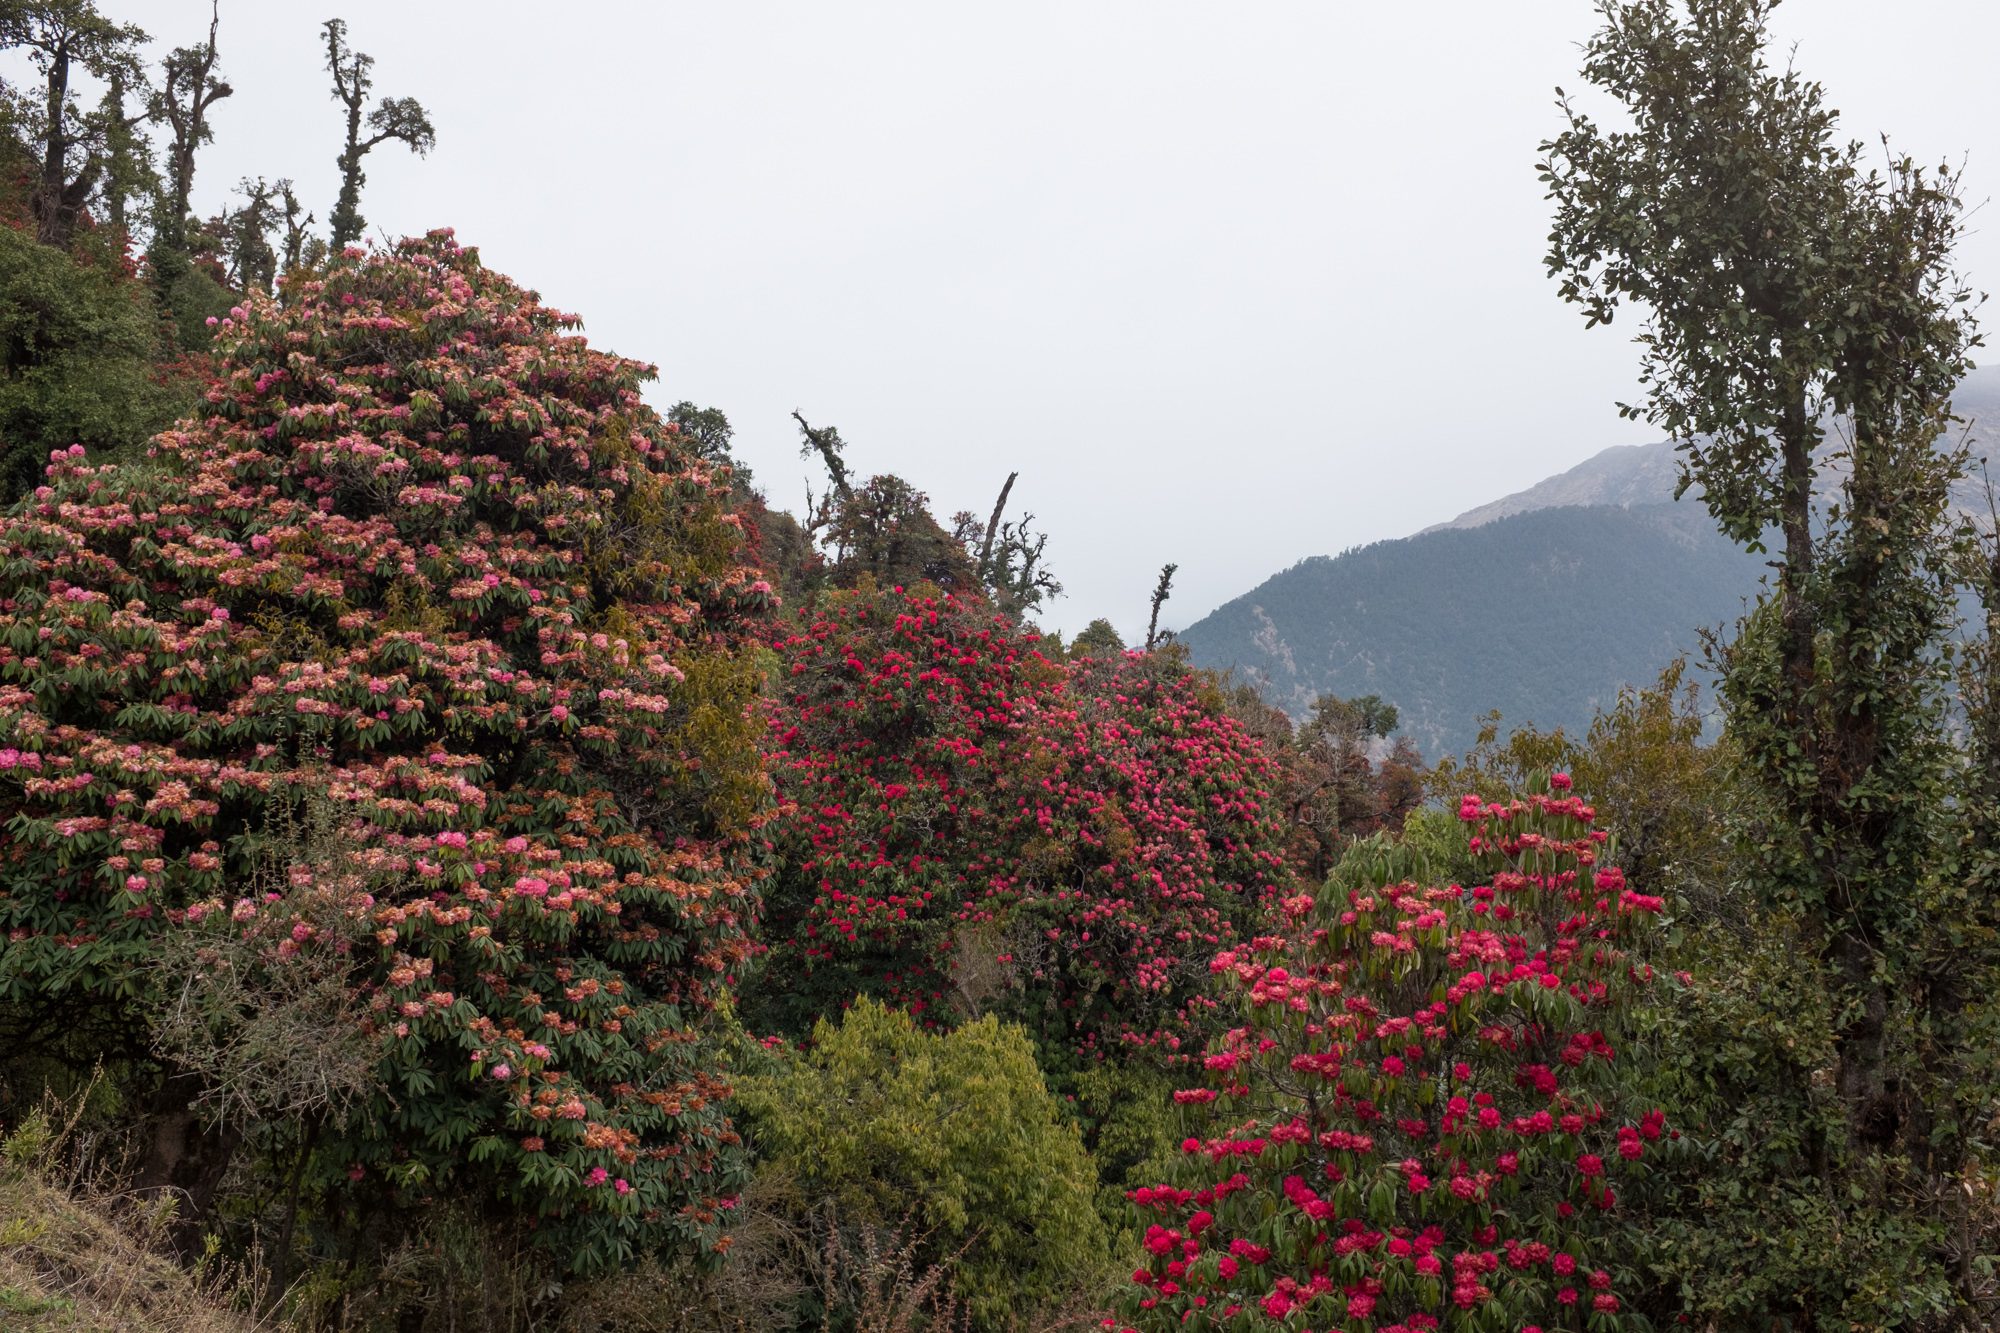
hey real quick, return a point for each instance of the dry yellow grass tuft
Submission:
(76, 1262)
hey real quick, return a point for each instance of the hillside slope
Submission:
(1622, 476)
(1543, 615)
(1606, 576)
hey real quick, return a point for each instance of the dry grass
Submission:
(79, 1260)
(880, 1279)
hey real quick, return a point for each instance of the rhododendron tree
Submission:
(894, 713)
(426, 557)
(1420, 1124)
(967, 819)
(1148, 838)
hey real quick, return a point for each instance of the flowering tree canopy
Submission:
(959, 806)
(1148, 839)
(424, 557)
(894, 714)
(1417, 1125)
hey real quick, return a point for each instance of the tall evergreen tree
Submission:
(301, 245)
(191, 84)
(245, 234)
(130, 180)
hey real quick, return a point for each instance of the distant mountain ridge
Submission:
(1621, 476)
(1541, 604)
(1541, 614)
(1636, 474)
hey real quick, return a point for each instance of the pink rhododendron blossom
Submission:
(413, 515)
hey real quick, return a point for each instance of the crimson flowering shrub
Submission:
(895, 714)
(1420, 1122)
(1150, 838)
(1095, 829)
(424, 556)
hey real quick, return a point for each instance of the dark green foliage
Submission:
(883, 532)
(192, 292)
(129, 180)
(76, 345)
(75, 150)
(1770, 1215)
(243, 235)
(708, 431)
(1097, 639)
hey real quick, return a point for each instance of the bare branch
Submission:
(993, 526)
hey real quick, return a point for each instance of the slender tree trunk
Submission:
(281, 1262)
(993, 529)
(1834, 761)
(346, 218)
(186, 1158)
(52, 226)
(1796, 511)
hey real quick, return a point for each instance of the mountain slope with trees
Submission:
(1630, 579)
(1435, 624)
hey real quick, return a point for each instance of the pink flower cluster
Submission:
(1098, 827)
(1418, 1124)
(425, 561)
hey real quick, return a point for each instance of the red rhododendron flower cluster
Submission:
(958, 805)
(427, 558)
(1148, 837)
(1420, 1124)
(893, 715)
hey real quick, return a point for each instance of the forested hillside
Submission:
(1543, 616)
(1630, 578)
(469, 862)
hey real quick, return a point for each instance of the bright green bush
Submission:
(952, 1134)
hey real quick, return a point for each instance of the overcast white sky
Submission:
(1229, 285)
